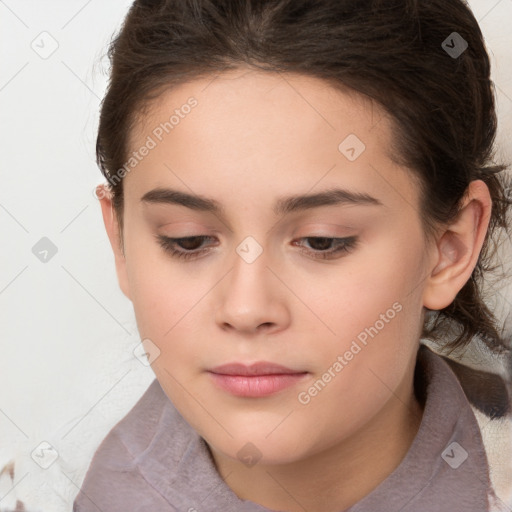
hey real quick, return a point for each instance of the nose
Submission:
(252, 298)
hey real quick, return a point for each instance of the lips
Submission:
(262, 368)
(256, 380)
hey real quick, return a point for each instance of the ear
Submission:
(111, 222)
(458, 247)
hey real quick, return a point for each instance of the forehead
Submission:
(270, 99)
(251, 127)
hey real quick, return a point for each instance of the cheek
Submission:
(381, 279)
(374, 308)
(165, 298)
(165, 310)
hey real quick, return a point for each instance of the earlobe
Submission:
(114, 235)
(458, 248)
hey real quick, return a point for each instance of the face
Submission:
(328, 286)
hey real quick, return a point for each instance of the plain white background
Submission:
(67, 370)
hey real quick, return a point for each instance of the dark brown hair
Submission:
(396, 52)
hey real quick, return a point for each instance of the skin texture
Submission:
(252, 138)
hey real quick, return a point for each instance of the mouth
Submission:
(256, 380)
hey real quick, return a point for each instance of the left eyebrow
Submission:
(283, 205)
(329, 197)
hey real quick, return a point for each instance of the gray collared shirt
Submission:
(153, 461)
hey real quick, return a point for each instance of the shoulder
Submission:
(488, 393)
(132, 434)
(113, 481)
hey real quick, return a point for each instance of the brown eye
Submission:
(322, 246)
(184, 247)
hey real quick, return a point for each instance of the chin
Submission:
(251, 449)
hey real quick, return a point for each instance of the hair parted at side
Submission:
(388, 50)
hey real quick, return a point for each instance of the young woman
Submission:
(298, 193)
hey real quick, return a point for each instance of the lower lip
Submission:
(257, 385)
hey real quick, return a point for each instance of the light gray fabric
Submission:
(153, 461)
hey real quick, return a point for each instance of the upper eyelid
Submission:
(204, 238)
(175, 238)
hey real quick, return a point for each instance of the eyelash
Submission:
(168, 244)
